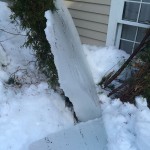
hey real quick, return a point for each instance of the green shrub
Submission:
(31, 18)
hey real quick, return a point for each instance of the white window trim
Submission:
(115, 23)
(114, 18)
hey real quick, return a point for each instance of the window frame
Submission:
(116, 22)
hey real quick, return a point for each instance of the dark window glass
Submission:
(135, 46)
(126, 46)
(145, 14)
(136, 0)
(128, 32)
(140, 34)
(131, 10)
(146, 1)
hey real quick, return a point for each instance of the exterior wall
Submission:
(91, 19)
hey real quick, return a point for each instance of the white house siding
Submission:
(91, 19)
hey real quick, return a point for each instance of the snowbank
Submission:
(103, 60)
(30, 115)
(31, 110)
(127, 126)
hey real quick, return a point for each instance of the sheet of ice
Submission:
(85, 136)
(74, 75)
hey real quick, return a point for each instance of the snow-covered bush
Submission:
(31, 17)
(138, 81)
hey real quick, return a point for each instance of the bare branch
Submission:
(136, 51)
(2, 46)
(12, 33)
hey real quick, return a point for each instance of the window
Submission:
(128, 22)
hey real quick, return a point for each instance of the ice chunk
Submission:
(74, 75)
(85, 136)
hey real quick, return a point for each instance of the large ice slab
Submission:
(85, 136)
(74, 75)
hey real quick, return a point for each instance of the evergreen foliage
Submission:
(31, 16)
(145, 57)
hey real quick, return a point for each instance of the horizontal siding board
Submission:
(95, 8)
(86, 40)
(92, 34)
(91, 19)
(89, 16)
(90, 25)
(104, 2)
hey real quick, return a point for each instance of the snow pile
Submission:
(142, 125)
(74, 75)
(30, 115)
(103, 60)
(127, 126)
(29, 109)
(119, 120)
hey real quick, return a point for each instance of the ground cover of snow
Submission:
(127, 126)
(103, 60)
(30, 110)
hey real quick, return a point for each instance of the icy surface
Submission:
(84, 136)
(74, 75)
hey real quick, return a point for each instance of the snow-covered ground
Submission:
(127, 126)
(30, 110)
